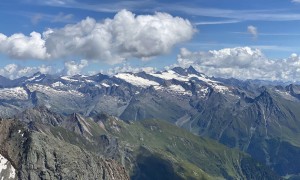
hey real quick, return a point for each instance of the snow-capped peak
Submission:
(36, 77)
(186, 75)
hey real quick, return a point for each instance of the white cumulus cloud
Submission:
(253, 31)
(73, 68)
(24, 47)
(112, 41)
(124, 36)
(242, 63)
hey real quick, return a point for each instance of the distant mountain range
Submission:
(257, 117)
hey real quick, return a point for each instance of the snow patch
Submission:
(158, 87)
(169, 75)
(13, 93)
(179, 89)
(105, 85)
(135, 80)
(5, 165)
(217, 86)
(57, 84)
(35, 78)
(89, 81)
(203, 92)
(68, 78)
(50, 91)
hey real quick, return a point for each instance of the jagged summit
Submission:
(186, 71)
(192, 70)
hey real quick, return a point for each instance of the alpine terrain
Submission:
(174, 124)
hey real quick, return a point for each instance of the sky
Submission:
(229, 38)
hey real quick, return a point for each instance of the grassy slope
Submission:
(192, 157)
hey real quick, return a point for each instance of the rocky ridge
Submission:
(36, 155)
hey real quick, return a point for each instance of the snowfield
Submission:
(135, 80)
(6, 166)
(17, 93)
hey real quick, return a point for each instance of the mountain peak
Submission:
(185, 71)
(192, 70)
(37, 74)
(265, 97)
(4, 81)
(180, 70)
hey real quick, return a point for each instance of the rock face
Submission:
(36, 155)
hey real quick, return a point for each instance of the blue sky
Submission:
(216, 24)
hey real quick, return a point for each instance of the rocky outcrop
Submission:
(36, 155)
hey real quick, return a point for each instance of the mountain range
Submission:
(175, 119)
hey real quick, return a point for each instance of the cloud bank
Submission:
(241, 63)
(14, 71)
(128, 68)
(112, 41)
